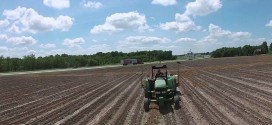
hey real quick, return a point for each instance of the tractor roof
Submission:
(159, 67)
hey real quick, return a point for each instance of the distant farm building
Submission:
(190, 55)
(258, 52)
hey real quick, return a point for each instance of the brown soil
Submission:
(214, 91)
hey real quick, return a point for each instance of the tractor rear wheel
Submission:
(146, 95)
(146, 104)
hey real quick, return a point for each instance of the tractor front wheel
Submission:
(176, 99)
(146, 104)
(176, 102)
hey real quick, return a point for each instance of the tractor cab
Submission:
(158, 72)
(160, 87)
(161, 71)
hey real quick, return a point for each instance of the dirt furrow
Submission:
(214, 91)
(30, 100)
(252, 97)
(32, 84)
(118, 111)
(73, 105)
(181, 113)
(28, 97)
(52, 107)
(239, 81)
(168, 114)
(97, 96)
(135, 109)
(230, 117)
(207, 111)
(260, 94)
(33, 105)
(235, 103)
(259, 79)
(154, 116)
(103, 105)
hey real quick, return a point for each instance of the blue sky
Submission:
(45, 27)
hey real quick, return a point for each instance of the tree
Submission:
(29, 62)
(2, 64)
(92, 62)
(248, 50)
(15, 64)
(270, 47)
(264, 48)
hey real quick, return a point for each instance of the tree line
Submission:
(246, 50)
(30, 62)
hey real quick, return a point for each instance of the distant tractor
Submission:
(160, 88)
(131, 61)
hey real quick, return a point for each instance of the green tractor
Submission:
(160, 88)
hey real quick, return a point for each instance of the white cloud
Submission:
(14, 29)
(3, 49)
(142, 40)
(165, 48)
(92, 4)
(18, 41)
(254, 42)
(47, 46)
(120, 21)
(3, 37)
(100, 48)
(64, 22)
(31, 52)
(186, 39)
(4, 23)
(54, 52)
(238, 35)
(19, 52)
(164, 2)
(22, 41)
(269, 24)
(182, 23)
(141, 43)
(218, 32)
(202, 7)
(31, 21)
(219, 37)
(59, 4)
(14, 14)
(74, 43)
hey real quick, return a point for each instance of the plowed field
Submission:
(213, 91)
